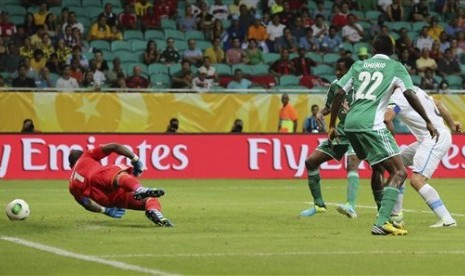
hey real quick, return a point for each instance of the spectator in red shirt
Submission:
(163, 10)
(303, 64)
(137, 80)
(128, 18)
(150, 20)
(340, 15)
(7, 29)
(287, 15)
(282, 66)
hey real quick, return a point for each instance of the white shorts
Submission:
(424, 156)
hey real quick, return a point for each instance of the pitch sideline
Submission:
(88, 258)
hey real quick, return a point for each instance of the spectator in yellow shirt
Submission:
(215, 53)
(141, 7)
(434, 30)
(41, 14)
(39, 61)
(100, 30)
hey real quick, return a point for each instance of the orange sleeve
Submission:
(292, 113)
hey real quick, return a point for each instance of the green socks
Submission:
(315, 187)
(387, 204)
(352, 187)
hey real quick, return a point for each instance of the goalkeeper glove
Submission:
(137, 166)
(114, 212)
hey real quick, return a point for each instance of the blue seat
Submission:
(372, 15)
(222, 69)
(168, 24)
(246, 69)
(318, 58)
(396, 26)
(14, 9)
(158, 68)
(137, 45)
(455, 82)
(175, 34)
(331, 58)
(154, 34)
(175, 68)
(197, 35)
(322, 69)
(120, 45)
(129, 66)
(126, 56)
(91, 3)
(260, 69)
(270, 57)
(288, 80)
(100, 44)
(133, 34)
(160, 81)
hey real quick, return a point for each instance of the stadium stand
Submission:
(325, 47)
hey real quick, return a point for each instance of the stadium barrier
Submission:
(187, 156)
(150, 112)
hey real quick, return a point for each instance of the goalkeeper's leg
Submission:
(130, 183)
(151, 206)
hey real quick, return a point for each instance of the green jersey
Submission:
(373, 82)
(329, 101)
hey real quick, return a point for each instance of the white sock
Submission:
(431, 197)
(400, 200)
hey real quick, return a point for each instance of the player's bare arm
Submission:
(93, 206)
(388, 120)
(122, 150)
(337, 102)
(455, 127)
(119, 149)
(416, 105)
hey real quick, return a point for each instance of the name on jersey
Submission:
(374, 65)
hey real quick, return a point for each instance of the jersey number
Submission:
(368, 80)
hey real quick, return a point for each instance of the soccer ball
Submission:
(17, 209)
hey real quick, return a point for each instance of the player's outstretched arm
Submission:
(122, 150)
(416, 105)
(388, 119)
(119, 149)
(93, 206)
(455, 127)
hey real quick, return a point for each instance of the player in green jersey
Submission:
(373, 81)
(326, 152)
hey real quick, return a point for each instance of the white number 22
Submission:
(367, 80)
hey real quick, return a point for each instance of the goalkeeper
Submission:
(111, 189)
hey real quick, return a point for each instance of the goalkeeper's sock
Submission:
(378, 196)
(315, 187)
(152, 204)
(352, 187)
(128, 182)
(400, 200)
(431, 197)
(387, 203)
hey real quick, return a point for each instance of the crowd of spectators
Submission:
(287, 37)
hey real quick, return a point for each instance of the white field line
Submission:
(271, 254)
(88, 258)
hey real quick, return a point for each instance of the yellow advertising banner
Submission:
(150, 112)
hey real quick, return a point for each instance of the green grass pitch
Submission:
(230, 227)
